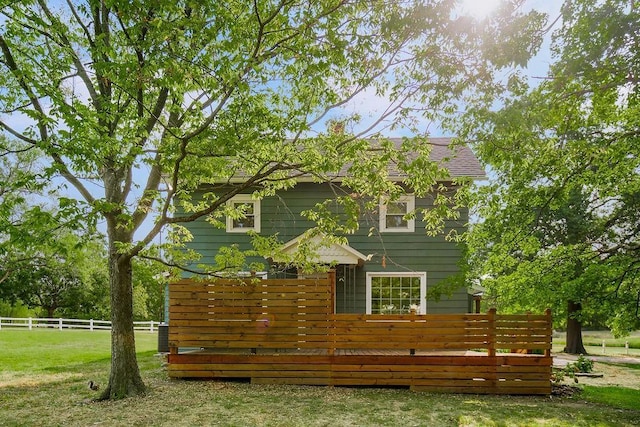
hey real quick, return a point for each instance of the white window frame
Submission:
(422, 308)
(410, 200)
(244, 198)
(248, 274)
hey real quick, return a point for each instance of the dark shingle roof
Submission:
(461, 162)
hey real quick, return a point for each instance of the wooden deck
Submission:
(284, 332)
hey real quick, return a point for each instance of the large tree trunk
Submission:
(574, 329)
(125, 379)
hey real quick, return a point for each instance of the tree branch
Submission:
(82, 72)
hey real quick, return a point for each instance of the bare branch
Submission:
(17, 134)
(35, 101)
(82, 72)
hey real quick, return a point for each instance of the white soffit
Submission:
(326, 252)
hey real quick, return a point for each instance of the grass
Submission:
(633, 366)
(618, 397)
(595, 338)
(46, 386)
(592, 341)
(59, 348)
(46, 353)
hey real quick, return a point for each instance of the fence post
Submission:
(91, 324)
(491, 338)
(332, 334)
(0, 322)
(412, 312)
(331, 275)
(60, 323)
(151, 328)
(547, 351)
(30, 323)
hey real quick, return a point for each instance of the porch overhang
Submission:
(324, 252)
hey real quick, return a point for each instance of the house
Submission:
(388, 271)
(369, 323)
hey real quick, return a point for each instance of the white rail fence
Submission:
(92, 325)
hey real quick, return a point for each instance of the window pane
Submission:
(247, 208)
(397, 208)
(249, 220)
(395, 294)
(395, 213)
(396, 221)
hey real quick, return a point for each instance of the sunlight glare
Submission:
(478, 8)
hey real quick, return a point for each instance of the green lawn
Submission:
(593, 343)
(44, 374)
(619, 397)
(49, 350)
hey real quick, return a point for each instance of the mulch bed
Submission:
(564, 390)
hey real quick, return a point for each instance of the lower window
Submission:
(396, 293)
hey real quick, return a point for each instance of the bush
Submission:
(583, 364)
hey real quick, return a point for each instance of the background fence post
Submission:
(30, 323)
(492, 332)
(60, 324)
(91, 324)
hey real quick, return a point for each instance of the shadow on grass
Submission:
(75, 375)
(102, 364)
(79, 367)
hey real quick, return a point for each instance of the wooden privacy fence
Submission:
(284, 331)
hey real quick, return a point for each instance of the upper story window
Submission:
(393, 215)
(247, 216)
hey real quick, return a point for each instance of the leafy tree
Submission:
(92, 299)
(58, 277)
(8, 309)
(38, 253)
(149, 279)
(21, 222)
(561, 216)
(137, 104)
(48, 287)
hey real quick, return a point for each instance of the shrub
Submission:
(583, 364)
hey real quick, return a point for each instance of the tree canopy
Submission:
(29, 219)
(137, 104)
(561, 214)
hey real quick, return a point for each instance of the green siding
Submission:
(403, 251)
